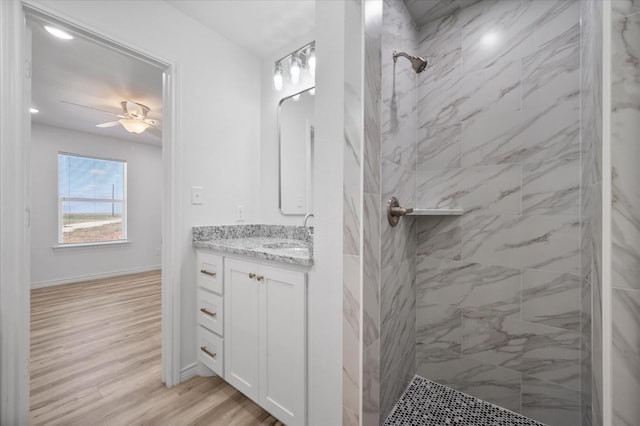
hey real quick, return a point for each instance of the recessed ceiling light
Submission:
(57, 32)
(33, 110)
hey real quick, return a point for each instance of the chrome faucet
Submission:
(306, 217)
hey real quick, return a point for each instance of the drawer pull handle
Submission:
(204, 271)
(259, 277)
(207, 312)
(204, 349)
(252, 275)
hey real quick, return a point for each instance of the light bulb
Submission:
(295, 70)
(133, 126)
(312, 91)
(57, 32)
(296, 98)
(33, 110)
(312, 62)
(277, 77)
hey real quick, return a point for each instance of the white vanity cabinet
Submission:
(265, 336)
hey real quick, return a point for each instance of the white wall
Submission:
(269, 210)
(325, 283)
(218, 118)
(144, 189)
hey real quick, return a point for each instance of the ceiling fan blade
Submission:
(154, 131)
(88, 107)
(109, 124)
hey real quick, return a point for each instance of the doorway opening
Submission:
(100, 179)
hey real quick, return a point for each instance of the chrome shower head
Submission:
(418, 63)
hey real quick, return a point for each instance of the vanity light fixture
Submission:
(294, 70)
(57, 32)
(278, 79)
(292, 67)
(312, 61)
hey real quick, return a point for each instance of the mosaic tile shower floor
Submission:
(426, 403)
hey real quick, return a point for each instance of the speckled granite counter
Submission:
(287, 244)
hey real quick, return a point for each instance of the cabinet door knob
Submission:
(206, 351)
(207, 312)
(204, 271)
(252, 275)
(259, 277)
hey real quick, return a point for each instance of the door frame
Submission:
(15, 262)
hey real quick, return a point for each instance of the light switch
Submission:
(196, 195)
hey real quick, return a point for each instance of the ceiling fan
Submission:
(133, 118)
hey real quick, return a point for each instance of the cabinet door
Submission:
(241, 326)
(283, 344)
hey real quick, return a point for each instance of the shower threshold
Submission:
(427, 403)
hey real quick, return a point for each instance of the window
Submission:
(92, 199)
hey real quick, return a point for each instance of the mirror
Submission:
(296, 116)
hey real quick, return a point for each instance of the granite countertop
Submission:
(287, 244)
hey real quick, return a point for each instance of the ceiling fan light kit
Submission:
(132, 125)
(133, 118)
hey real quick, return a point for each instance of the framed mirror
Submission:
(296, 118)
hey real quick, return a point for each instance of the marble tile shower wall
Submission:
(625, 215)
(371, 217)
(591, 211)
(352, 216)
(398, 177)
(498, 134)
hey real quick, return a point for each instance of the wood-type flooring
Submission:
(95, 360)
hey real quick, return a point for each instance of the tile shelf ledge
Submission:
(436, 212)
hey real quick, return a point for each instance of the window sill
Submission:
(96, 244)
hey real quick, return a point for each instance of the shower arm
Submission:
(396, 54)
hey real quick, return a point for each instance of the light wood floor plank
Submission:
(95, 360)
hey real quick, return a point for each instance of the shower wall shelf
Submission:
(436, 212)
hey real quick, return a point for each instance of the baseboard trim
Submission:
(188, 372)
(62, 281)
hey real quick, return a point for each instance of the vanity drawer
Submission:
(211, 311)
(210, 271)
(211, 350)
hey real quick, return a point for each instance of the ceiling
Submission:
(85, 72)
(424, 11)
(260, 26)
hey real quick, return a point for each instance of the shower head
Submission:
(418, 63)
